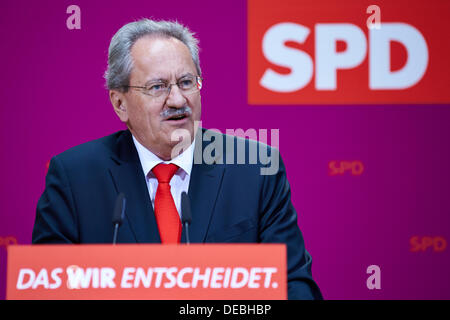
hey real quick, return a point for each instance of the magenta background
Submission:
(52, 98)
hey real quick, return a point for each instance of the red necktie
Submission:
(166, 213)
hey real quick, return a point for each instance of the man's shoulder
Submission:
(236, 138)
(98, 149)
(239, 151)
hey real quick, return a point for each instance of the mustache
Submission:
(173, 112)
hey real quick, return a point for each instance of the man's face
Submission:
(155, 59)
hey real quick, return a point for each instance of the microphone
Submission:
(186, 215)
(119, 214)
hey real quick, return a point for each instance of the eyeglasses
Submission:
(187, 84)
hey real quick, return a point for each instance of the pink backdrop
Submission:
(52, 98)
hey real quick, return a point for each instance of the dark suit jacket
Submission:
(230, 203)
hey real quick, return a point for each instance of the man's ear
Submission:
(118, 101)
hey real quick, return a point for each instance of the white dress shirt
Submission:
(179, 182)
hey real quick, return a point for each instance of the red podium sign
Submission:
(150, 271)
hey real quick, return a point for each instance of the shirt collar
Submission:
(149, 160)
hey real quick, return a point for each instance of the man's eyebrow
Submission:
(185, 75)
(156, 80)
(161, 80)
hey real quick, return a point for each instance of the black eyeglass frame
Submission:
(197, 87)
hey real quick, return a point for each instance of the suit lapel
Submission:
(204, 187)
(129, 178)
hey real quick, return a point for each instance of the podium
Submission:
(147, 272)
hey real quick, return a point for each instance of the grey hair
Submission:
(120, 62)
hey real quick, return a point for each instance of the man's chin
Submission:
(181, 133)
(179, 140)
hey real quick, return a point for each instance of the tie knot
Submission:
(164, 172)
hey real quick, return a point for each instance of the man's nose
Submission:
(175, 98)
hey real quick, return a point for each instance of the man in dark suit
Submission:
(154, 81)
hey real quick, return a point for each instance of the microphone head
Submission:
(186, 215)
(119, 209)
